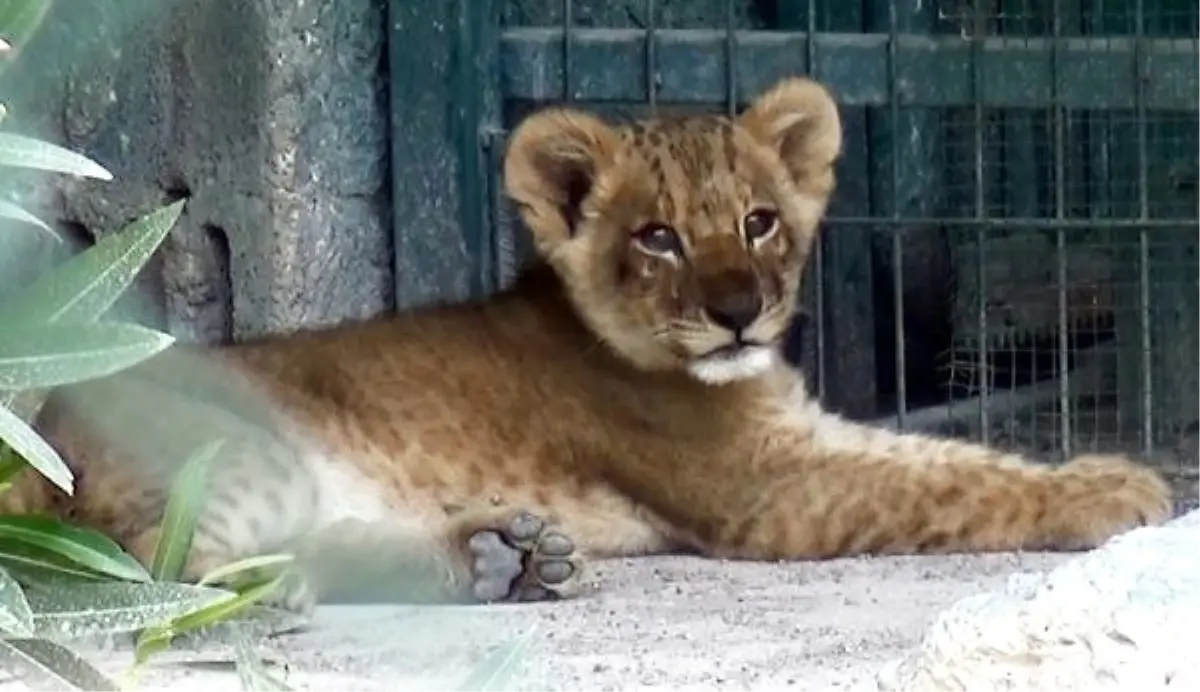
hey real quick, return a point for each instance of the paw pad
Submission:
(521, 559)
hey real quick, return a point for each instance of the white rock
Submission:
(1119, 617)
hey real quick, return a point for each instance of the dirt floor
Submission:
(656, 623)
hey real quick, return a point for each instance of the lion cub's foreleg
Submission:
(832, 488)
(489, 555)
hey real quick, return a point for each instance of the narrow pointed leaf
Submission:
(27, 152)
(84, 287)
(16, 618)
(50, 355)
(159, 638)
(44, 665)
(19, 20)
(223, 574)
(183, 513)
(37, 568)
(8, 210)
(79, 610)
(26, 442)
(83, 547)
(11, 467)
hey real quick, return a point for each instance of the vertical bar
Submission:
(731, 57)
(897, 231)
(1143, 163)
(568, 49)
(982, 344)
(1144, 309)
(898, 311)
(1060, 240)
(813, 342)
(504, 250)
(1022, 172)
(1105, 200)
(979, 30)
(838, 249)
(481, 159)
(441, 206)
(905, 167)
(652, 54)
(810, 50)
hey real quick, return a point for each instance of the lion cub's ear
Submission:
(554, 158)
(799, 119)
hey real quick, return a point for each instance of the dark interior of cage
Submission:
(1061, 327)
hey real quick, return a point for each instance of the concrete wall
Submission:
(269, 114)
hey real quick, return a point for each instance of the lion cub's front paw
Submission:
(1102, 496)
(516, 556)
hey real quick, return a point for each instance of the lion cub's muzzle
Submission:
(733, 301)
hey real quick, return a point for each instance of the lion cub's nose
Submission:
(735, 311)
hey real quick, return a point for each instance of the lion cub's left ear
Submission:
(552, 164)
(799, 119)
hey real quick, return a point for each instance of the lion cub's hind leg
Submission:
(260, 498)
(515, 555)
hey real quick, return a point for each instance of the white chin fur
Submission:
(747, 363)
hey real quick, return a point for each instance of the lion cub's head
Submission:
(681, 241)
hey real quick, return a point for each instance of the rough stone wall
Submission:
(269, 114)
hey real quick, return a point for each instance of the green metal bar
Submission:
(905, 179)
(979, 83)
(1095, 72)
(473, 119)
(839, 304)
(443, 53)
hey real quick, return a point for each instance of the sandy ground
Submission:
(668, 622)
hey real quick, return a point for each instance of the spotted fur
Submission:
(627, 391)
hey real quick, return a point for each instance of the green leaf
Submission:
(158, 639)
(80, 546)
(11, 466)
(8, 210)
(224, 573)
(80, 610)
(84, 287)
(36, 569)
(19, 19)
(50, 355)
(499, 667)
(182, 513)
(26, 442)
(15, 616)
(43, 665)
(27, 152)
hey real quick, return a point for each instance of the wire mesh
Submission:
(1082, 329)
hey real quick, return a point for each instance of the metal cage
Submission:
(1011, 254)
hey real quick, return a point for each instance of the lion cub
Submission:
(626, 396)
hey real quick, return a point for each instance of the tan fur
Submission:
(587, 393)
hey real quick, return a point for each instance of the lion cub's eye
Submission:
(659, 239)
(759, 223)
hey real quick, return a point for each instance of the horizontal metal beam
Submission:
(931, 71)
